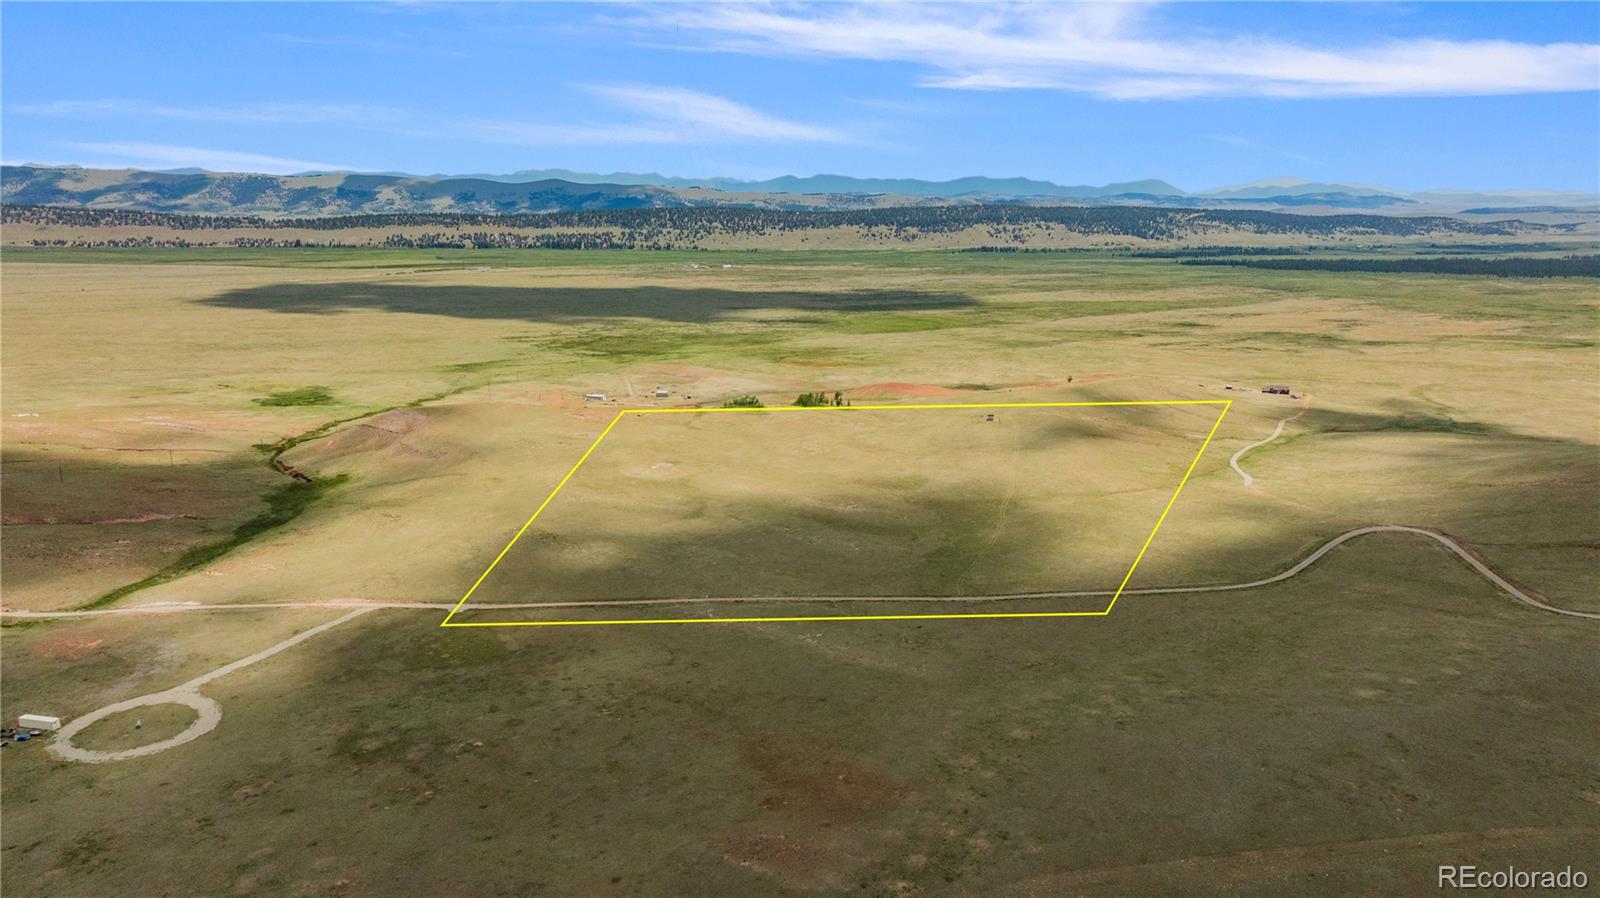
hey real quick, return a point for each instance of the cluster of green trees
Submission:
(543, 240)
(819, 399)
(1507, 267)
(303, 396)
(148, 242)
(12, 213)
(1029, 249)
(1207, 251)
(684, 226)
(746, 401)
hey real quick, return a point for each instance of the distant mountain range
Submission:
(554, 190)
(844, 184)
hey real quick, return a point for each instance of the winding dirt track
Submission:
(210, 713)
(1249, 482)
(1472, 560)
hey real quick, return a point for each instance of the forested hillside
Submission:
(970, 226)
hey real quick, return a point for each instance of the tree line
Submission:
(681, 226)
(1508, 267)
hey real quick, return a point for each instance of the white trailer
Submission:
(38, 722)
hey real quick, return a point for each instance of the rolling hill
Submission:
(358, 193)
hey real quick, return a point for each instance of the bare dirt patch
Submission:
(67, 647)
(823, 787)
(897, 389)
(772, 852)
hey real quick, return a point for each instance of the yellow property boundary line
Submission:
(1224, 403)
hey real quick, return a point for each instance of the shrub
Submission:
(814, 400)
(302, 396)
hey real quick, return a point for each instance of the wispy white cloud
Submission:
(1113, 51)
(245, 113)
(164, 155)
(706, 115)
(660, 115)
(654, 115)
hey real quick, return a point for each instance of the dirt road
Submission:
(1249, 482)
(1443, 539)
(210, 713)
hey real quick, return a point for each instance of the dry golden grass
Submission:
(929, 502)
(1386, 698)
(197, 344)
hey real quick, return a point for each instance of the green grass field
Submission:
(1342, 732)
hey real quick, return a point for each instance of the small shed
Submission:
(662, 392)
(595, 397)
(1276, 389)
(39, 722)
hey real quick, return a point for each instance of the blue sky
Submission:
(1412, 96)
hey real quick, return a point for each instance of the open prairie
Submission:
(287, 432)
(895, 501)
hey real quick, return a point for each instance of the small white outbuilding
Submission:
(38, 722)
(662, 392)
(595, 397)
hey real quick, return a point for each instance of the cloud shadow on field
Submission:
(885, 541)
(1120, 427)
(80, 523)
(1406, 417)
(562, 305)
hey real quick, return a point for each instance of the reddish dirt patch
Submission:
(400, 436)
(553, 398)
(904, 389)
(68, 648)
(822, 787)
(772, 852)
(1091, 378)
(378, 431)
